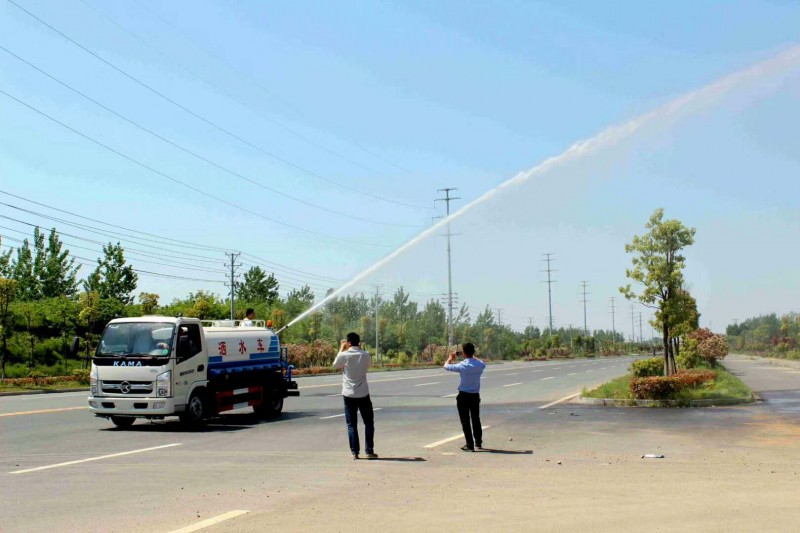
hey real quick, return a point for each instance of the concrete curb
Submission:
(50, 391)
(611, 402)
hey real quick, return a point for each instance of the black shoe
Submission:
(479, 446)
(355, 457)
(467, 448)
(371, 455)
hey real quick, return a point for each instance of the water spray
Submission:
(786, 60)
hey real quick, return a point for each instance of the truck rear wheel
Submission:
(122, 422)
(271, 407)
(196, 410)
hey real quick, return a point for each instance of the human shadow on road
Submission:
(399, 459)
(504, 452)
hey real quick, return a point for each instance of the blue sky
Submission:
(396, 100)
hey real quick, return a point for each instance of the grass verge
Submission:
(725, 386)
(32, 388)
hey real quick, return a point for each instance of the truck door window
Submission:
(189, 343)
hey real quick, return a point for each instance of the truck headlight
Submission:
(164, 384)
(93, 381)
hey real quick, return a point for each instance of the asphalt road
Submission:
(61, 468)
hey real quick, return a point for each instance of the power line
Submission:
(261, 86)
(216, 88)
(175, 264)
(200, 157)
(184, 184)
(201, 117)
(170, 241)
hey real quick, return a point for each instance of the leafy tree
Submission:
(149, 302)
(258, 287)
(112, 278)
(57, 272)
(658, 268)
(8, 290)
(22, 272)
(5, 262)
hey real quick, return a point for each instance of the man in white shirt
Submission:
(355, 362)
(249, 315)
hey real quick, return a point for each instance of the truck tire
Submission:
(196, 410)
(271, 408)
(123, 422)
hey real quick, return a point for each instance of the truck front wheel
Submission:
(122, 422)
(196, 410)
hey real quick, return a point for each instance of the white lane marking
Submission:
(42, 411)
(512, 384)
(572, 374)
(342, 414)
(426, 384)
(513, 374)
(551, 377)
(451, 395)
(94, 459)
(590, 370)
(564, 399)
(448, 439)
(210, 522)
(534, 371)
(332, 395)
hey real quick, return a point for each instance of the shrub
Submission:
(713, 349)
(668, 387)
(81, 376)
(695, 378)
(402, 359)
(655, 387)
(647, 367)
(690, 355)
(438, 358)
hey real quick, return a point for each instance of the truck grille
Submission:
(127, 387)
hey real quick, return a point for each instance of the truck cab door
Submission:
(190, 361)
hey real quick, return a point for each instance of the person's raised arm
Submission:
(448, 365)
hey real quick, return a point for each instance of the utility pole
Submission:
(585, 329)
(613, 324)
(633, 327)
(641, 337)
(530, 326)
(549, 291)
(499, 317)
(447, 199)
(233, 266)
(377, 341)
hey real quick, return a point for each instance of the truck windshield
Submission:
(152, 339)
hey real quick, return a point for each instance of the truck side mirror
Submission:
(74, 347)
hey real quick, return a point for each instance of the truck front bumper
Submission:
(124, 406)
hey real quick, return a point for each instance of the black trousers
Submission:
(469, 410)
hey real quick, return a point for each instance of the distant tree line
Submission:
(768, 334)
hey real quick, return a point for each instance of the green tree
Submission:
(8, 291)
(149, 302)
(5, 261)
(112, 278)
(658, 269)
(22, 273)
(57, 273)
(258, 287)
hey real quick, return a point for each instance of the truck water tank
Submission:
(241, 349)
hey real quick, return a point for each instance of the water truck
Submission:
(156, 366)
